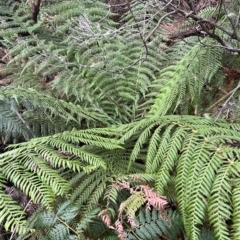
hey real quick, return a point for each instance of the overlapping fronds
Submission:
(14, 19)
(186, 80)
(201, 158)
(106, 69)
(78, 68)
(54, 223)
(152, 224)
(33, 167)
(27, 113)
(91, 189)
(197, 155)
(11, 213)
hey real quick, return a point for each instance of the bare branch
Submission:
(158, 24)
(24, 122)
(214, 25)
(226, 102)
(139, 30)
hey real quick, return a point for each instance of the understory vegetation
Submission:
(119, 120)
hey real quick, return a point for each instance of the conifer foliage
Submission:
(119, 120)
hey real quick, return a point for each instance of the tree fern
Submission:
(53, 224)
(14, 20)
(116, 82)
(12, 215)
(235, 194)
(221, 194)
(28, 113)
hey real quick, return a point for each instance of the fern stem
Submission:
(60, 220)
(131, 230)
(158, 24)
(14, 232)
(24, 122)
(225, 103)
(165, 238)
(100, 234)
(222, 98)
(109, 98)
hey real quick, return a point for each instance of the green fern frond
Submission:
(28, 113)
(165, 158)
(77, 68)
(236, 221)
(59, 232)
(87, 187)
(15, 19)
(201, 187)
(12, 216)
(55, 223)
(132, 204)
(207, 233)
(188, 76)
(31, 166)
(219, 203)
(87, 219)
(191, 152)
(112, 84)
(97, 228)
(45, 219)
(153, 224)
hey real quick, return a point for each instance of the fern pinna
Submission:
(77, 68)
(197, 156)
(35, 170)
(201, 158)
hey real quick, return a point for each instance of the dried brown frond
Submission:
(153, 199)
(140, 195)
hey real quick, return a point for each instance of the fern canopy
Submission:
(119, 119)
(196, 155)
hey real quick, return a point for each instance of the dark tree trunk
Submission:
(35, 8)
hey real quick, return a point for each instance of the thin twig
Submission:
(101, 233)
(24, 122)
(222, 98)
(117, 105)
(158, 24)
(226, 102)
(234, 33)
(131, 230)
(199, 19)
(60, 220)
(14, 231)
(139, 31)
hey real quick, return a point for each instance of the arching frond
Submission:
(186, 79)
(33, 168)
(199, 157)
(27, 113)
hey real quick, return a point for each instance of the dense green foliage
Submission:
(120, 126)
